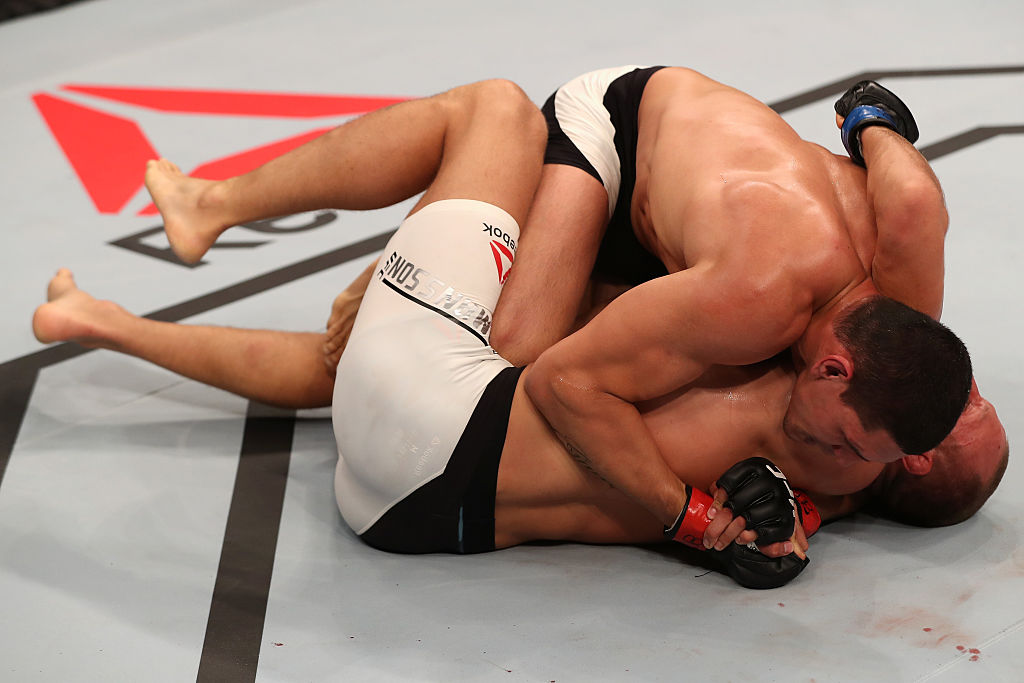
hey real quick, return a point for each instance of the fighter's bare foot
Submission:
(73, 315)
(188, 207)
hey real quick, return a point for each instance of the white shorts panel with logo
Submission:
(418, 359)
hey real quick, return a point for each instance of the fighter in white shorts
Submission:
(422, 401)
(424, 409)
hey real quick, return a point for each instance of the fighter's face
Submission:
(818, 417)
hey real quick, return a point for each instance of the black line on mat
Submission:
(18, 376)
(12, 9)
(840, 86)
(975, 136)
(234, 630)
(241, 591)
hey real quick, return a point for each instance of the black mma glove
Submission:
(751, 569)
(759, 492)
(869, 104)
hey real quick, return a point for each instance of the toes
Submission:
(61, 283)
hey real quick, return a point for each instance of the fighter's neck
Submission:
(818, 338)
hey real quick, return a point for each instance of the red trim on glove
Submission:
(810, 518)
(693, 520)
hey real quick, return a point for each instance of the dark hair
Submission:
(948, 494)
(911, 374)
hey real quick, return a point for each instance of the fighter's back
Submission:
(722, 176)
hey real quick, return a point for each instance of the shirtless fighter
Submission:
(422, 403)
(766, 238)
(766, 242)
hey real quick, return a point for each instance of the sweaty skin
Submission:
(767, 238)
(746, 182)
(751, 186)
(729, 414)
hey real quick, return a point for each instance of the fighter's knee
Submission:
(503, 339)
(516, 108)
(499, 93)
(514, 345)
(505, 104)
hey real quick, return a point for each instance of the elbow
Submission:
(920, 211)
(926, 201)
(539, 383)
(553, 387)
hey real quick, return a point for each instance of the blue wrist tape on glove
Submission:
(864, 115)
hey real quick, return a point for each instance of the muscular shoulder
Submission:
(791, 235)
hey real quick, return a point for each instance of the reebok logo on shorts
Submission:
(416, 283)
(503, 248)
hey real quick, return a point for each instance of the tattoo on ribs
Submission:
(579, 456)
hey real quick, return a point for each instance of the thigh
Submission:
(557, 250)
(493, 147)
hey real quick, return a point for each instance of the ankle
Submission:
(213, 196)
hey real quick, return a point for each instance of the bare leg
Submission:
(545, 289)
(279, 368)
(371, 162)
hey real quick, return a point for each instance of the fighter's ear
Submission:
(918, 464)
(834, 366)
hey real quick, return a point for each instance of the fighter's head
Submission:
(950, 483)
(888, 381)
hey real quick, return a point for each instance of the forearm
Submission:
(608, 437)
(911, 217)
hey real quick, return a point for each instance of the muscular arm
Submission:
(647, 342)
(911, 217)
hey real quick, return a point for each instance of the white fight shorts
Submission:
(414, 372)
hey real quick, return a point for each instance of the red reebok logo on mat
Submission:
(109, 152)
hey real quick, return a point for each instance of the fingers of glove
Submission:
(720, 522)
(800, 542)
(752, 569)
(720, 519)
(747, 537)
(875, 95)
(729, 535)
(772, 520)
(780, 549)
(754, 494)
(719, 499)
(740, 475)
(851, 98)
